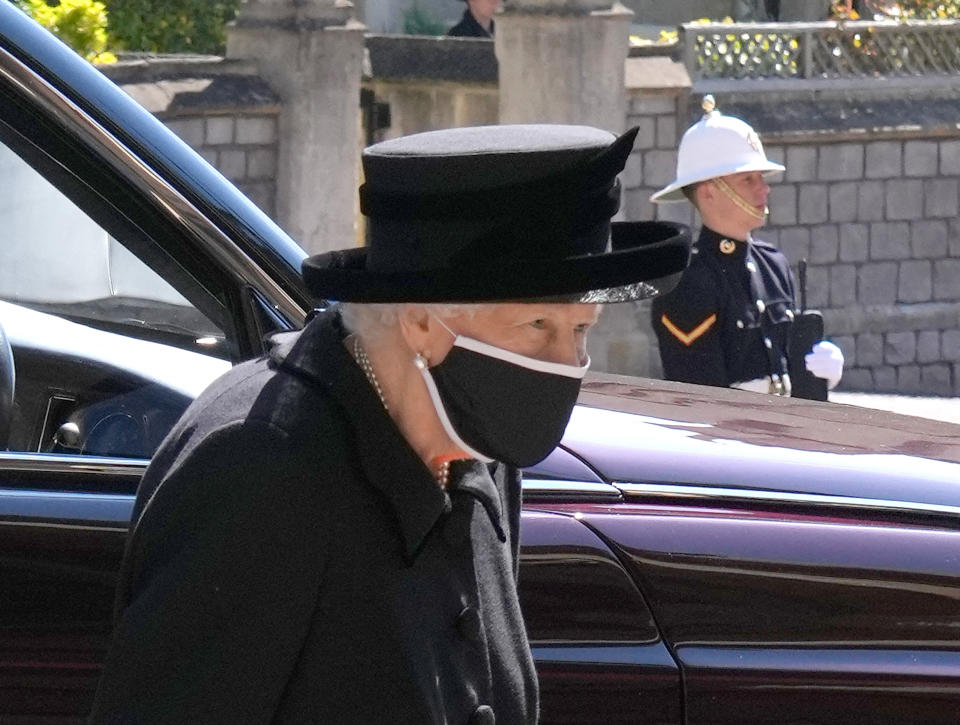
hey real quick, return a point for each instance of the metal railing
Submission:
(827, 50)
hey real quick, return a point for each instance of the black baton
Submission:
(806, 331)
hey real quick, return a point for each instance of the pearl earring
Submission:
(420, 361)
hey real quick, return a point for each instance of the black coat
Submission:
(468, 27)
(293, 561)
(714, 326)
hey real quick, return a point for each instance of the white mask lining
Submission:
(530, 363)
(445, 421)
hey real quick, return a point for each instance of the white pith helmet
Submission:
(715, 146)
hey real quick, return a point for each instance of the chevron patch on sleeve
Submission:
(688, 338)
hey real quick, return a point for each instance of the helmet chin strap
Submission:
(755, 211)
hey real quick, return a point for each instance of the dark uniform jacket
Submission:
(468, 27)
(729, 319)
(294, 561)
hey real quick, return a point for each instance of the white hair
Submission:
(372, 321)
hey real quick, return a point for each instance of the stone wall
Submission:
(870, 199)
(657, 91)
(242, 146)
(221, 108)
(425, 106)
(877, 222)
(431, 83)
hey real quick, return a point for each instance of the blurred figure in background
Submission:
(477, 20)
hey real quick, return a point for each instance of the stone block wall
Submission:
(242, 147)
(431, 83)
(623, 340)
(221, 108)
(876, 221)
(427, 106)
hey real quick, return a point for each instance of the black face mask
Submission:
(498, 405)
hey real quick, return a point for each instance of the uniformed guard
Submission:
(728, 322)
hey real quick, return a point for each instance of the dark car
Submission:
(690, 555)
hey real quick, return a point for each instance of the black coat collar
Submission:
(389, 463)
(468, 27)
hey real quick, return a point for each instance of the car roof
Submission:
(653, 431)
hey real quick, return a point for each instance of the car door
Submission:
(780, 609)
(801, 561)
(599, 654)
(120, 301)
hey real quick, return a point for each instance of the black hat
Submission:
(498, 213)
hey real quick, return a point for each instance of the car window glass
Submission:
(106, 352)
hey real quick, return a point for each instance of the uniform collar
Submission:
(723, 247)
(389, 463)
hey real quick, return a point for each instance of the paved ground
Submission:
(947, 409)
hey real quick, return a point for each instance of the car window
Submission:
(106, 351)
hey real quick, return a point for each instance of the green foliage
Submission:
(171, 26)
(81, 24)
(419, 22)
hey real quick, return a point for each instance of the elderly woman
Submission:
(330, 534)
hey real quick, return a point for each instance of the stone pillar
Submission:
(562, 61)
(311, 53)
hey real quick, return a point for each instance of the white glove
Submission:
(825, 361)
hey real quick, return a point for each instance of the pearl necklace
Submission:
(442, 474)
(361, 356)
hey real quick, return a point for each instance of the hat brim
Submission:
(645, 259)
(674, 192)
